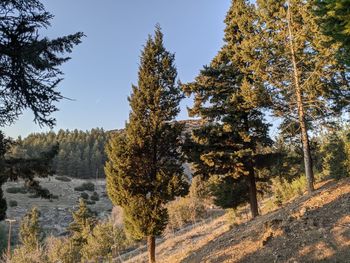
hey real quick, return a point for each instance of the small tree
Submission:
(31, 237)
(83, 220)
(30, 233)
(144, 170)
(104, 241)
(81, 227)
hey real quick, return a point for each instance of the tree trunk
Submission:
(301, 113)
(151, 247)
(253, 193)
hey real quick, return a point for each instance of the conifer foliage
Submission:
(30, 231)
(229, 100)
(29, 63)
(306, 83)
(335, 22)
(144, 168)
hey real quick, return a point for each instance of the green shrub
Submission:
(335, 158)
(13, 203)
(61, 250)
(84, 195)
(185, 210)
(284, 191)
(95, 197)
(88, 186)
(231, 216)
(16, 190)
(63, 178)
(21, 254)
(103, 243)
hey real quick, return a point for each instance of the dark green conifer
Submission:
(229, 99)
(144, 169)
(335, 22)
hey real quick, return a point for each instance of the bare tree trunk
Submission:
(301, 113)
(151, 247)
(253, 193)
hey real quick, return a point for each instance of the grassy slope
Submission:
(308, 229)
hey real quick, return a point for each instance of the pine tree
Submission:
(29, 76)
(83, 223)
(306, 83)
(144, 170)
(229, 100)
(30, 232)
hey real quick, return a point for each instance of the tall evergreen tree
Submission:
(306, 83)
(144, 170)
(229, 100)
(29, 75)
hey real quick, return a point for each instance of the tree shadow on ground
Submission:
(320, 233)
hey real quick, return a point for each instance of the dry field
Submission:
(56, 214)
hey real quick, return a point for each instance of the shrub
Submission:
(23, 255)
(185, 210)
(16, 190)
(231, 216)
(84, 195)
(54, 196)
(103, 243)
(63, 178)
(89, 202)
(88, 186)
(95, 197)
(284, 190)
(13, 203)
(61, 250)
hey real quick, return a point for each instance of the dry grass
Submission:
(307, 229)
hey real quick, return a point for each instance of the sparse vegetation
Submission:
(95, 197)
(84, 195)
(88, 186)
(13, 203)
(185, 210)
(63, 178)
(16, 190)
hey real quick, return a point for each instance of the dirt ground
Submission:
(309, 229)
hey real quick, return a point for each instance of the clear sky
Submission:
(104, 66)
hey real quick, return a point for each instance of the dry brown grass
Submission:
(307, 229)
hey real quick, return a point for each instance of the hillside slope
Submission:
(308, 229)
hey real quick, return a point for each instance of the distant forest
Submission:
(81, 153)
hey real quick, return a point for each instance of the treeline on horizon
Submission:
(81, 153)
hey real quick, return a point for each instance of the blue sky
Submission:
(104, 66)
